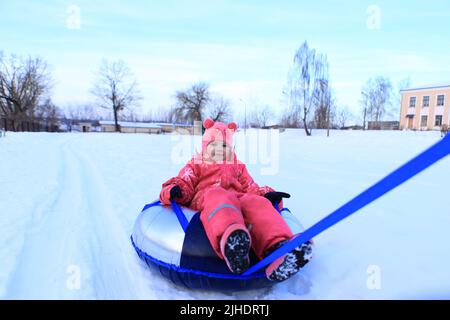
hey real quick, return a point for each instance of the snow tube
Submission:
(184, 255)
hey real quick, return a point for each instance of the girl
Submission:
(237, 213)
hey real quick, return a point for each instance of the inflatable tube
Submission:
(186, 257)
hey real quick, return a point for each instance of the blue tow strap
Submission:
(393, 180)
(180, 215)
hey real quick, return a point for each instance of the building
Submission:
(86, 126)
(426, 107)
(146, 127)
(130, 127)
(278, 127)
(80, 126)
(383, 125)
(352, 127)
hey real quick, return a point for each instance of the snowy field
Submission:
(68, 203)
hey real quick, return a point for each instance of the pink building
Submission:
(426, 107)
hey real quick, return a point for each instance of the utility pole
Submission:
(328, 101)
(245, 116)
(325, 98)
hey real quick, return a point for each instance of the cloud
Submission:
(243, 49)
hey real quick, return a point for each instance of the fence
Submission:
(29, 125)
(383, 125)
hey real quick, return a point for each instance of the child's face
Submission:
(219, 151)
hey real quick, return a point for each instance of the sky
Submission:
(243, 49)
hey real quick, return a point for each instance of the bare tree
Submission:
(290, 118)
(343, 115)
(324, 113)
(384, 90)
(84, 112)
(116, 88)
(323, 107)
(49, 113)
(24, 85)
(321, 117)
(218, 109)
(192, 103)
(365, 109)
(265, 115)
(396, 105)
(131, 116)
(310, 69)
(160, 114)
(260, 116)
(331, 115)
(376, 95)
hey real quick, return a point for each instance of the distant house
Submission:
(179, 127)
(83, 126)
(426, 107)
(352, 127)
(86, 126)
(383, 125)
(278, 127)
(130, 127)
(273, 126)
(146, 127)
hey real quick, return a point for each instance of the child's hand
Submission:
(275, 197)
(175, 192)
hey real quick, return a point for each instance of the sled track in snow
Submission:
(111, 256)
(75, 228)
(30, 271)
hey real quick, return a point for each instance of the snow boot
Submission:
(235, 246)
(289, 264)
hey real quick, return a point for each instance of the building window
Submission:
(440, 100)
(412, 102)
(426, 101)
(423, 121)
(438, 121)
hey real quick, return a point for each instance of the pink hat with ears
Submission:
(218, 131)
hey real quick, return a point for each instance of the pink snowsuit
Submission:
(226, 194)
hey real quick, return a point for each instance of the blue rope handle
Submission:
(277, 206)
(154, 203)
(391, 181)
(180, 215)
(176, 208)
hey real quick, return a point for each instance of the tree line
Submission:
(25, 85)
(312, 102)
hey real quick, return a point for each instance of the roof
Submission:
(173, 124)
(428, 86)
(91, 122)
(151, 125)
(125, 124)
(385, 122)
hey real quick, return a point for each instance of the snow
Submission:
(68, 202)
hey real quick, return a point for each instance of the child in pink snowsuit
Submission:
(235, 211)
